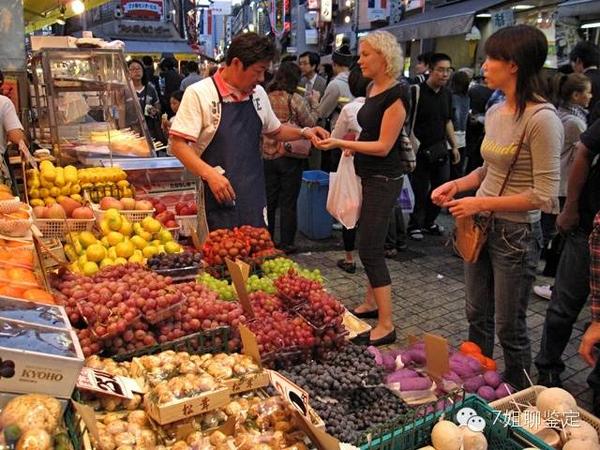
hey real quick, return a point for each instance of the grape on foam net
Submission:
(346, 391)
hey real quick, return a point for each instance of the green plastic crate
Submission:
(498, 432)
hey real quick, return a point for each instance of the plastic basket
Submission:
(208, 341)
(313, 219)
(529, 395)
(58, 228)
(187, 224)
(500, 434)
(175, 232)
(132, 215)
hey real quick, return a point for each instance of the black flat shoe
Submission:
(374, 314)
(346, 266)
(388, 339)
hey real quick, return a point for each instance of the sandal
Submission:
(416, 234)
(346, 266)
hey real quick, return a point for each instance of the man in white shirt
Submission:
(10, 125)
(311, 81)
(223, 118)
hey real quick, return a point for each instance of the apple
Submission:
(178, 208)
(163, 217)
(171, 224)
(193, 208)
(69, 205)
(40, 212)
(83, 212)
(185, 211)
(143, 205)
(128, 203)
(160, 207)
(56, 212)
(110, 202)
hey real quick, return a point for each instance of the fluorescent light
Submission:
(591, 25)
(347, 19)
(60, 21)
(77, 6)
(523, 7)
(251, 27)
(484, 16)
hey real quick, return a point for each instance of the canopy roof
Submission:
(41, 13)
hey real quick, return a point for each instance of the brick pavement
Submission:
(429, 296)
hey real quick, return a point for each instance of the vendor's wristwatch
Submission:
(303, 132)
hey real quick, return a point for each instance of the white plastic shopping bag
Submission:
(406, 199)
(345, 193)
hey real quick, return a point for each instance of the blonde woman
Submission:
(378, 161)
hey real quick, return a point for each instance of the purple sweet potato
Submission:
(418, 357)
(461, 369)
(492, 379)
(376, 354)
(473, 384)
(452, 376)
(415, 384)
(389, 362)
(474, 364)
(400, 374)
(487, 393)
(503, 390)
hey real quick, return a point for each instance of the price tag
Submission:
(104, 383)
(290, 392)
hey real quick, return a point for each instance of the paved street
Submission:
(428, 296)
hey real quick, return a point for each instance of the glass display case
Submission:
(84, 107)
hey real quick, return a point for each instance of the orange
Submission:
(469, 348)
(6, 195)
(22, 275)
(39, 295)
(489, 364)
(20, 214)
(22, 257)
(12, 291)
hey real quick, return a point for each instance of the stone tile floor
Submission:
(429, 296)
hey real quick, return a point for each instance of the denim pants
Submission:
(379, 197)
(569, 296)
(498, 287)
(283, 179)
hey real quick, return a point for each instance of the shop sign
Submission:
(326, 10)
(221, 8)
(311, 27)
(502, 19)
(377, 10)
(410, 5)
(313, 4)
(144, 30)
(145, 10)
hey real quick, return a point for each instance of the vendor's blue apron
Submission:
(236, 148)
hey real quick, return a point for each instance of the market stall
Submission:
(125, 335)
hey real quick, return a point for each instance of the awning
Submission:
(587, 9)
(41, 13)
(450, 20)
(157, 47)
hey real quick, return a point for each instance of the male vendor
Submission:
(218, 128)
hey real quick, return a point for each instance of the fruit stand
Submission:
(138, 338)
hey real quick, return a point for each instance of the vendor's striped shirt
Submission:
(595, 269)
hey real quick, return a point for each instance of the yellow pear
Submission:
(150, 251)
(126, 227)
(139, 242)
(106, 262)
(114, 238)
(120, 260)
(90, 268)
(95, 253)
(112, 253)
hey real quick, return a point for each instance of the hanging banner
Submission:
(144, 10)
(326, 7)
(502, 19)
(377, 10)
(221, 8)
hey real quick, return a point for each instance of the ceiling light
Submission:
(251, 27)
(348, 3)
(591, 25)
(77, 6)
(484, 16)
(347, 19)
(60, 20)
(523, 7)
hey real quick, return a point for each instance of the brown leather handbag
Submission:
(470, 233)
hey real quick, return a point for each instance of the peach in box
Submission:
(143, 205)
(69, 205)
(56, 212)
(128, 203)
(83, 212)
(40, 212)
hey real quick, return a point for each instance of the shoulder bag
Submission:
(470, 233)
(299, 148)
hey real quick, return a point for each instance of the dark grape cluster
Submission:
(346, 390)
(174, 260)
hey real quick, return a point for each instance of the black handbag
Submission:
(435, 154)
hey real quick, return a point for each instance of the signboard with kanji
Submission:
(142, 9)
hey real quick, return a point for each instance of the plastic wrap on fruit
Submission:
(35, 439)
(213, 419)
(133, 403)
(31, 412)
(180, 445)
(219, 371)
(110, 403)
(139, 417)
(188, 367)
(217, 438)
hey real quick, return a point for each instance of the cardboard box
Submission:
(34, 313)
(247, 383)
(187, 407)
(36, 369)
(354, 325)
(40, 42)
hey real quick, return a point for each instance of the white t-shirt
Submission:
(347, 121)
(8, 120)
(188, 121)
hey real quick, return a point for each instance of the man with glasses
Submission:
(311, 81)
(434, 130)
